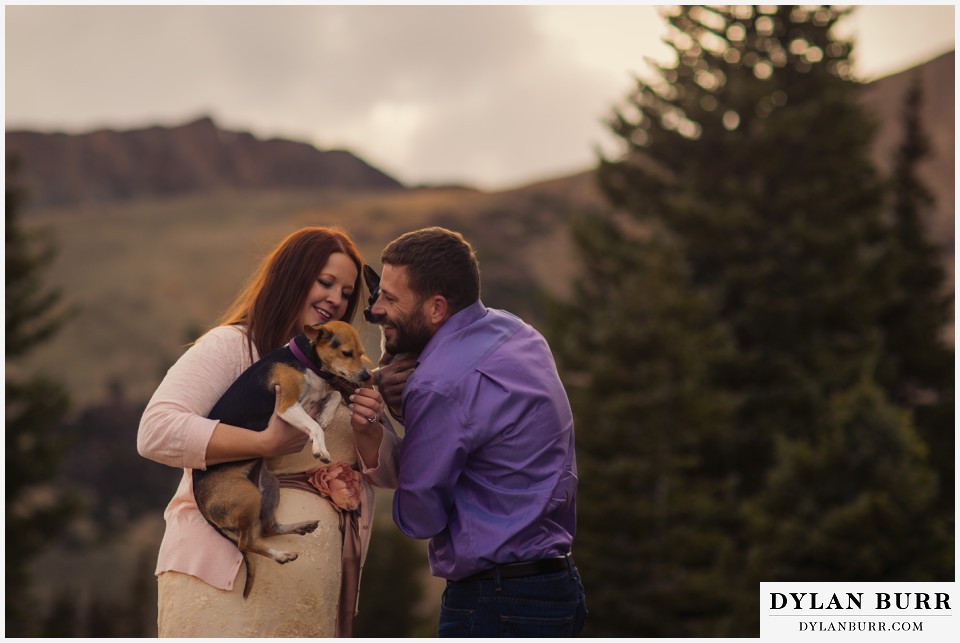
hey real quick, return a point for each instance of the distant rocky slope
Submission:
(107, 165)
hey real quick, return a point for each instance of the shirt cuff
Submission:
(195, 445)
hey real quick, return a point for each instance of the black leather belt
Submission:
(522, 570)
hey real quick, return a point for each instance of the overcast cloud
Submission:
(492, 96)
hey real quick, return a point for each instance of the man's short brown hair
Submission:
(438, 262)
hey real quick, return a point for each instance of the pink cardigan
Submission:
(174, 431)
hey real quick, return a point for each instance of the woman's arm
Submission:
(377, 442)
(174, 429)
(229, 443)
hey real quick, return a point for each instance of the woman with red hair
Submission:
(311, 277)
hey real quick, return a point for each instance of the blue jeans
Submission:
(548, 605)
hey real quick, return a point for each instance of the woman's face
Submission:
(331, 292)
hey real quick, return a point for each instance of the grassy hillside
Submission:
(146, 277)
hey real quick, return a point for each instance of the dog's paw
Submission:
(284, 557)
(308, 527)
(322, 456)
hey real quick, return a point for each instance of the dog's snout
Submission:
(374, 319)
(365, 375)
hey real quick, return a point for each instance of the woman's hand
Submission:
(281, 437)
(367, 406)
(231, 443)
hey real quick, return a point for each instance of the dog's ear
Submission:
(371, 278)
(317, 334)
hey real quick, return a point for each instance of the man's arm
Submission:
(432, 457)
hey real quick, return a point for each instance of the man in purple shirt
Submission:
(487, 465)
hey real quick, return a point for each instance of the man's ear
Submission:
(317, 334)
(436, 311)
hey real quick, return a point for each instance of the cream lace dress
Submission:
(298, 599)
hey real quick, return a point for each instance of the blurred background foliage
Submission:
(754, 334)
(754, 347)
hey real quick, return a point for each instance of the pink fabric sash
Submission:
(349, 559)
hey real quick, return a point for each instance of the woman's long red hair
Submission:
(272, 300)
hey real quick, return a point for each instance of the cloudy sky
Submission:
(492, 96)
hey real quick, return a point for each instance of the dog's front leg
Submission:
(328, 408)
(298, 417)
(301, 390)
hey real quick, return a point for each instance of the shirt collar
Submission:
(453, 325)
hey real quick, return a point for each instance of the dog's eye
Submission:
(348, 353)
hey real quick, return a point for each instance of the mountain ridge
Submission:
(156, 161)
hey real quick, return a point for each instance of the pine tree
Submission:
(746, 197)
(856, 503)
(918, 366)
(641, 353)
(754, 151)
(36, 512)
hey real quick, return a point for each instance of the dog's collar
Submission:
(307, 356)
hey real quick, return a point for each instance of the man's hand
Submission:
(391, 377)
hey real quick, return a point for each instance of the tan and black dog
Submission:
(319, 368)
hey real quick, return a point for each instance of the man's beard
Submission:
(411, 335)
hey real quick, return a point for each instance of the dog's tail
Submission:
(251, 574)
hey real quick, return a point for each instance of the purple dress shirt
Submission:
(487, 466)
